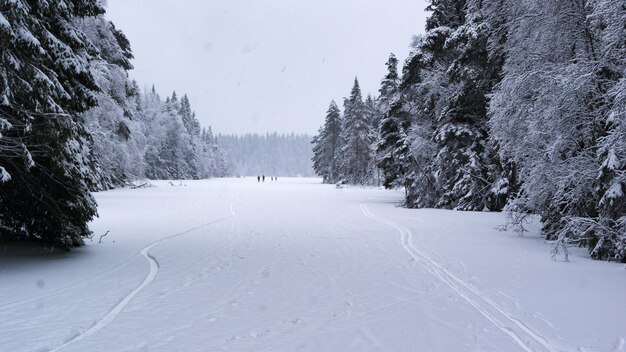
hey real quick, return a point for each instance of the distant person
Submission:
(263, 178)
(258, 178)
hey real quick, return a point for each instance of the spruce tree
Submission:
(188, 116)
(463, 163)
(118, 140)
(389, 129)
(357, 140)
(45, 84)
(326, 146)
(388, 91)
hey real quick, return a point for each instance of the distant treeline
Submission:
(270, 154)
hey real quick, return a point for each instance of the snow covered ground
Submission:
(293, 265)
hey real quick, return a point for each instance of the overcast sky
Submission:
(265, 65)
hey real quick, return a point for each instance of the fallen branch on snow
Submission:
(106, 233)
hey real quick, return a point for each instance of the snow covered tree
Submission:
(390, 131)
(445, 15)
(152, 114)
(357, 138)
(434, 139)
(464, 162)
(372, 112)
(177, 157)
(45, 84)
(118, 143)
(424, 92)
(388, 91)
(177, 148)
(326, 146)
(211, 159)
(188, 117)
(553, 114)
(606, 234)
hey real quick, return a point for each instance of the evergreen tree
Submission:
(464, 162)
(153, 115)
(388, 91)
(372, 112)
(422, 94)
(212, 158)
(118, 143)
(326, 146)
(188, 116)
(551, 116)
(389, 129)
(357, 140)
(392, 146)
(45, 84)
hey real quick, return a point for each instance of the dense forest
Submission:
(71, 121)
(501, 105)
(271, 154)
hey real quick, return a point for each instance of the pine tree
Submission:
(188, 116)
(177, 150)
(45, 84)
(389, 129)
(152, 113)
(388, 91)
(326, 146)
(357, 140)
(445, 15)
(372, 112)
(464, 160)
(118, 143)
(212, 158)
(422, 94)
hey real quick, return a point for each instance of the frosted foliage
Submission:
(118, 143)
(556, 114)
(45, 85)
(502, 104)
(4, 175)
(135, 134)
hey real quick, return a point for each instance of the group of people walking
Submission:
(259, 178)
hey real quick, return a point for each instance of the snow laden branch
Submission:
(501, 105)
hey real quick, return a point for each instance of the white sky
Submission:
(265, 65)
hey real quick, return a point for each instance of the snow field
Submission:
(234, 265)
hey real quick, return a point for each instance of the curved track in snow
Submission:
(525, 337)
(154, 269)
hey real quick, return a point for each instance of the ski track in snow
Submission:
(154, 268)
(525, 337)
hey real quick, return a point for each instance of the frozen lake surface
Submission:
(294, 265)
